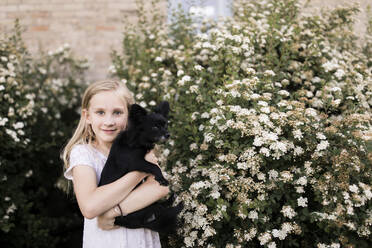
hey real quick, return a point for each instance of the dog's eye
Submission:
(155, 128)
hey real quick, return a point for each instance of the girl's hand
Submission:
(106, 220)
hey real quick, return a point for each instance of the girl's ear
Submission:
(85, 114)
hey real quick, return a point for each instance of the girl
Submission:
(104, 114)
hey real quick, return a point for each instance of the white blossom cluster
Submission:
(30, 89)
(258, 151)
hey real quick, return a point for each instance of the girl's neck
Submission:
(102, 147)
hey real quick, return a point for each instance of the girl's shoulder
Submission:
(81, 148)
(85, 154)
(84, 150)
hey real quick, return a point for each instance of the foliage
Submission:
(271, 112)
(39, 97)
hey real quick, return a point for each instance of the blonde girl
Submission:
(104, 113)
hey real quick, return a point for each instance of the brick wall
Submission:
(90, 27)
(93, 27)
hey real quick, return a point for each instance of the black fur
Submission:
(127, 154)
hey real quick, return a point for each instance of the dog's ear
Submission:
(136, 112)
(163, 108)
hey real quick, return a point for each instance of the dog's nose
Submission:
(167, 135)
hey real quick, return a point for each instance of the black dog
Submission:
(127, 154)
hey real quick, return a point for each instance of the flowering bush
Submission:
(271, 117)
(39, 97)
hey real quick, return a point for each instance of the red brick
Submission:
(105, 28)
(40, 14)
(39, 28)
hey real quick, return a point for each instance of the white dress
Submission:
(94, 237)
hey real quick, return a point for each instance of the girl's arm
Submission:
(147, 193)
(94, 200)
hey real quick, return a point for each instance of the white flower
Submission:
(139, 96)
(255, 96)
(300, 190)
(262, 103)
(112, 69)
(330, 66)
(288, 212)
(265, 151)
(322, 145)
(29, 173)
(283, 93)
(143, 104)
(186, 78)
(201, 127)
(180, 73)
(269, 73)
(2, 87)
(158, 59)
(320, 136)
(273, 174)
(335, 89)
(281, 234)
(258, 141)
(253, 215)
(311, 112)
(301, 181)
(198, 67)
(279, 146)
(194, 88)
(215, 194)
(297, 134)
(11, 209)
(208, 137)
(336, 102)
(3, 121)
(302, 201)
(264, 238)
(152, 103)
(205, 115)
(193, 146)
(298, 151)
(265, 110)
(354, 188)
(339, 73)
(12, 134)
(194, 115)
(271, 245)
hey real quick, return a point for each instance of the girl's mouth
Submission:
(109, 131)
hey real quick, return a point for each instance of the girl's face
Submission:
(107, 114)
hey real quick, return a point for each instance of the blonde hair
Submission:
(84, 133)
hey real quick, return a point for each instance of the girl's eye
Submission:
(118, 112)
(100, 112)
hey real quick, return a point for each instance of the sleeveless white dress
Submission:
(94, 237)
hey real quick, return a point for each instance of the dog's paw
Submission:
(162, 181)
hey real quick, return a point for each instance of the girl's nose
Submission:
(109, 120)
